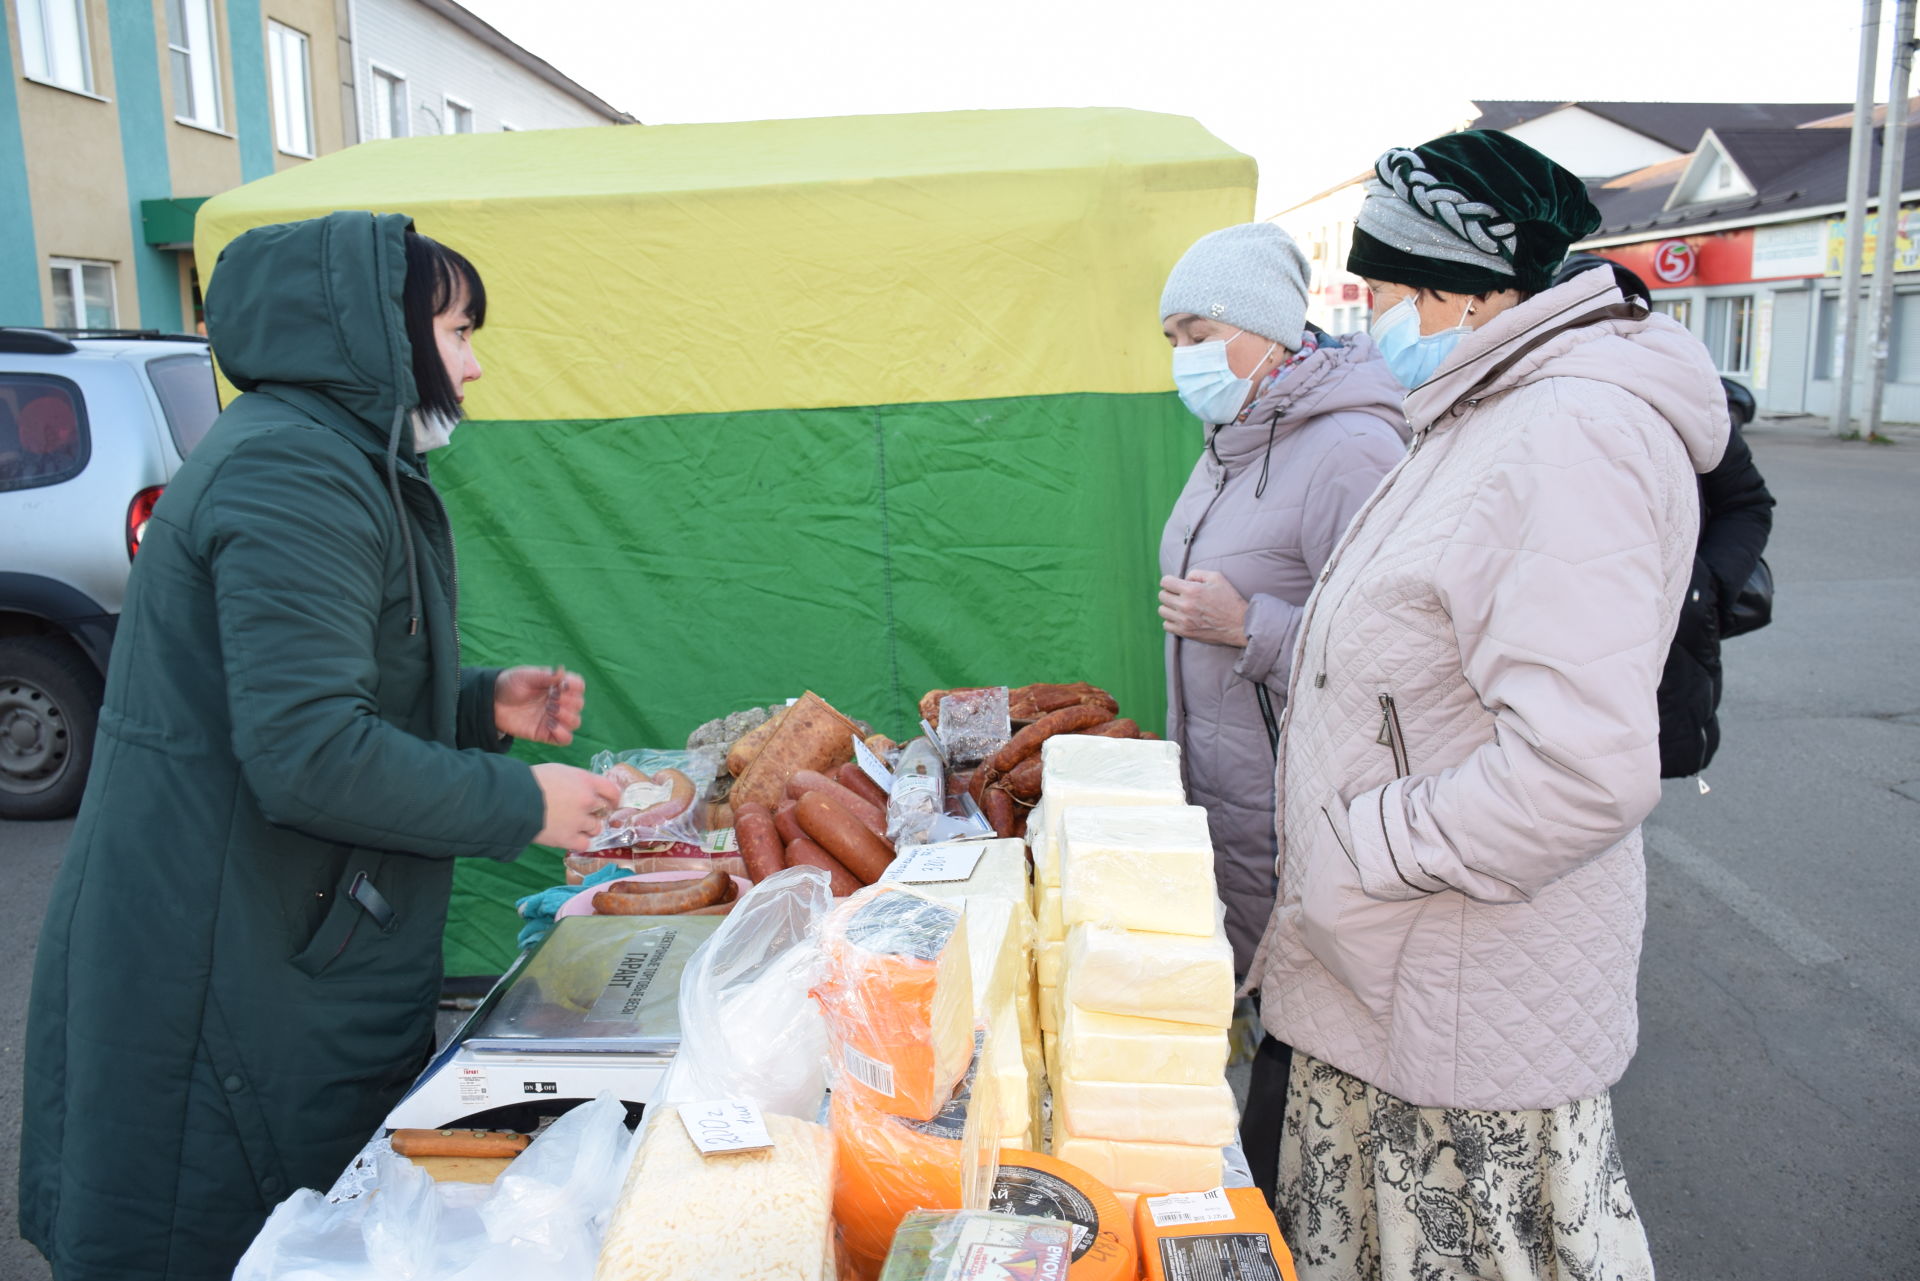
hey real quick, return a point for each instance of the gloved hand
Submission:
(538, 908)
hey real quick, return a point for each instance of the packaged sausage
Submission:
(919, 796)
(660, 792)
(974, 724)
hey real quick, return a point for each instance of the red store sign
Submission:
(1681, 262)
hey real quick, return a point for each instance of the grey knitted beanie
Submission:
(1252, 277)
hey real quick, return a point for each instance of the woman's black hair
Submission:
(436, 277)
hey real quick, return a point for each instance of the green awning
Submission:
(168, 223)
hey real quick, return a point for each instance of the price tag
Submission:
(725, 1125)
(928, 864)
(1190, 1207)
(872, 765)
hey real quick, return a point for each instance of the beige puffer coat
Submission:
(1471, 742)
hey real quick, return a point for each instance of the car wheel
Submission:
(49, 705)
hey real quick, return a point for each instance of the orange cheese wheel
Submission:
(1043, 1186)
(888, 1166)
(1248, 1245)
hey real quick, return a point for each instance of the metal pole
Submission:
(1892, 174)
(1859, 170)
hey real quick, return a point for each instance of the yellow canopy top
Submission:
(796, 263)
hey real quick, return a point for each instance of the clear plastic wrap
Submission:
(895, 984)
(974, 724)
(660, 795)
(1079, 769)
(747, 1030)
(1138, 1112)
(1150, 975)
(1140, 867)
(918, 799)
(962, 1245)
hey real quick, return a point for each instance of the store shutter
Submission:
(1786, 391)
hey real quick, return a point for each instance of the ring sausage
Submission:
(855, 780)
(679, 897)
(759, 841)
(804, 853)
(1067, 720)
(1024, 781)
(845, 837)
(807, 780)
(1000, 812)
(1122, 727)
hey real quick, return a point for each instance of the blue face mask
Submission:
(1413, 356)
(1207, 385)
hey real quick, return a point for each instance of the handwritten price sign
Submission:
(725, 1125)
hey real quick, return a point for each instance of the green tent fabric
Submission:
(864, 406)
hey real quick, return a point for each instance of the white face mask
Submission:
(431, 430)
(1208, 387)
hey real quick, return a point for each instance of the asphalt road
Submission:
(1771, 1122)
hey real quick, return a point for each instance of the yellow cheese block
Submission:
(1053, 925)
(1200, 1115)
(1050, 963)
(1144, 974)
(1077, 769)
(1050, 1009)
(1114, 1047)
(1151, 1168)
(1000, 873)
(1004, 1076)
(1138, 867)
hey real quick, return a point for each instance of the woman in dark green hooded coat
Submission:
(239, 969)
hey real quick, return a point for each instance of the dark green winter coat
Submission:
(214, 1021)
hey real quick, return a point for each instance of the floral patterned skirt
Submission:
(1373, 1188)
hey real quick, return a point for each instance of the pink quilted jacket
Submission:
(1470, 741)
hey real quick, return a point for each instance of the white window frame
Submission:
(448, 105)
(281, 38)
(383, 127)
(37, 53)
(1719, 337)
(75, 269)
(202, 54)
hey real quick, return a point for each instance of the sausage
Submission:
(786, 824)
(1020, 816)
(459, 1142)
(807, 780)
(804, 853)
(1024, 781)
(715, 909)
(1031, 702)
(1000, 812)
(679, 897)
(845, 837)
(855, 780)
(759, 841)
(1067, 720)
(1123, 727)
(983, 777)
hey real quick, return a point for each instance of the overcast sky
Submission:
(1313, 91)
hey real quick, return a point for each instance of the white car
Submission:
(92, 426)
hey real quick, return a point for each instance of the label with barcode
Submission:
(931, 864)
(1190, 1207)
(870, 1072)
(725, 1125)
(871, 765)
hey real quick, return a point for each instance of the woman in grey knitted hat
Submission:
(1298, 426)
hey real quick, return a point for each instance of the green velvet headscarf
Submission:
(1469, 213)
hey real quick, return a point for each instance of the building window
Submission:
(292, 91)
(196, 62)
(1730, 333)
(43, 431)
(389, 104)
(82, 294)
(459, 116)
(53, 43)
(1681, 309)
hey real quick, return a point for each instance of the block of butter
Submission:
(1151, 1168)
(1050, 1010)
(1053, 927)
(1049, 961)
(1078, 770)
(1138, 867)
(1198, 1115)
(1114, 1047)
(1148, 975)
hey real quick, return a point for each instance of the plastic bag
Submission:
(660, 797)
(747, 1030)
(539, 1221)
(918, 798)
(974, 724)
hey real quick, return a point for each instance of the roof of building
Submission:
(490, 36)
(1676, 124)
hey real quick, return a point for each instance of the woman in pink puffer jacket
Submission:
(1471, 743)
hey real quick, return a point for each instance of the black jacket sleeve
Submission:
(1736, 515)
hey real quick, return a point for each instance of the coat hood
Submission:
(1586, 329)
(316, 304)
(1344, 375)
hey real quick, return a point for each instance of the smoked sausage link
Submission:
(1000, 812)
(759, 841)
(806, 780)
(855, 780)
(684, 897)
(786, 824)
(844, 836)
(1024, 781)
(1024, 744)
(804, 853)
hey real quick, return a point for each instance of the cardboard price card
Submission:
(927, 864)
(725, 1125)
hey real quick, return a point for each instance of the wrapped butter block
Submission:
(1178, 977)
(686, 1217)
(1138, 867)
(1050, 1010)
(1050, 963)
(1078, 770)
(1115, 1047)
(1152, 1168)
(897, 991)
(1196, 1115)
(1052, 923)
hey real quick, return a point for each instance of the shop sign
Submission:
(1790, 249)
(1906, 254)
(1673, 261)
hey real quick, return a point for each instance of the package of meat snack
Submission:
(660, 796)
(974, 724)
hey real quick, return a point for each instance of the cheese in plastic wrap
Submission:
(1179, 977)
(896, 987)
(765, 1214)
(968, 1245)
(1202, 1115)
(1115, 1047)
(1138, 867)
(1001, 872)
(1005, 1071)
(1081, 769)
(1152, 1168)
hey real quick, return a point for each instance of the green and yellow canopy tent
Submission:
(865, 405)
